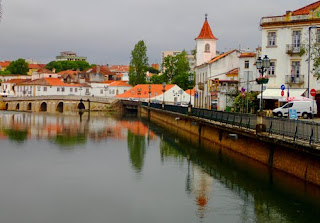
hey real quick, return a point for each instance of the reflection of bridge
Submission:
(53, 104)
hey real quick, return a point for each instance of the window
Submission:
(58, 89)
(62, 89)
(71, 89)
(318, 36)
(289, 105)
(296, 38)
(44, 88)
(207, 48)
(272, 68)
(271, 38)
(295, 69)
(76, 90)
(246, 64)
(101, 91)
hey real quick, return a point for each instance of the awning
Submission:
(275, 94)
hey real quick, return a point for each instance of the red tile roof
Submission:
(206, 32)
(4, 63)
(306, 9)
(71, 72)
(120, 84)
(15, 81)
(192, 91)
(247, 54)
(103, 70)
(49, 82)
(221, 56)
(155, 88)
(34, 66)
(119, 68)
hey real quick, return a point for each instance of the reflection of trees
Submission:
(68, 140)
(137, 150)
(167, 151)
(16, 135)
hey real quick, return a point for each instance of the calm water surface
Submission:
(98, 169)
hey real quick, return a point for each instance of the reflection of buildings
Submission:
(45, 126)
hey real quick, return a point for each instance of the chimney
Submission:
(54, 70)
(98, 69)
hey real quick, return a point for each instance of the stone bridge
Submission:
(56, 104)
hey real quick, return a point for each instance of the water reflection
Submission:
(265, 195)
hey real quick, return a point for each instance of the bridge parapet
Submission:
(108, 100)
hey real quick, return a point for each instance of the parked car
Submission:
(306, 109)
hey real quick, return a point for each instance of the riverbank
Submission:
(298, 159)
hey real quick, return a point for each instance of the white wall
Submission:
(249, 74)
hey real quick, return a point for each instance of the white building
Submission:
(8, 87)
(107, 89)
(173, 93)
(216, 75)
(248, 72)
(285, 41)
(51, 86)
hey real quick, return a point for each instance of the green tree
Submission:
(240, 103)
(68, 65)
(19, 66)
(137, 150)
(177, 70)
(4, 72)
(157, 79)
(153, 70)
(138, 64)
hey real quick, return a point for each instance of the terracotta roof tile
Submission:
(306, 9)
(120, 84)
(103, 70)
(34, 66)
(247, 54)
(16, 81)
(4, 63)
(155, 88)
(206, 32)
(221, 56)
(49, 82)
(192, 91)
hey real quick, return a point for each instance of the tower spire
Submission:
(206, 16)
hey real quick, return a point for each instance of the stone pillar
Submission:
(261, 125)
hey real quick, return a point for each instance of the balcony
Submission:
(294, 79)
(293, 49)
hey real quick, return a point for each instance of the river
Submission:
(104, 168)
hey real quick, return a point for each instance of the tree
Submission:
(153, 70)
(157, 79)
(138, 64)
(19, 66)
(68, 65)
(177, 70)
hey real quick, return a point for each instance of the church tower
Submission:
(206, 44)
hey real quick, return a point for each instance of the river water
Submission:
(100, 168)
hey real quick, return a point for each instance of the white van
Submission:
(306, 109)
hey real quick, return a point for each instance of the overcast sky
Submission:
(106, 31)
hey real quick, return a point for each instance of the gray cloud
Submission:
(106, 31)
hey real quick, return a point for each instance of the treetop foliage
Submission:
(138, 64)
(68, 65)
(19, 66)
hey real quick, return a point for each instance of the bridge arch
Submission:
(17, 106)
(43, 107)
(81, 106)
(29, 106)
(60, 107)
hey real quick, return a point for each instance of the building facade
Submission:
(70, 56)
(285, 40)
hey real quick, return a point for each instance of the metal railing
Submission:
(235, 119)
(294, 79)
(296, 129)
(295, 49)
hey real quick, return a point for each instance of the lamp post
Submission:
(149, 94)
(262, 65)
(309, 57)
(190, 79)
(163, 90)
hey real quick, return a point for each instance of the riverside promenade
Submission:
(292, 146)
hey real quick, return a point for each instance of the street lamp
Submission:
(163, 90)
(262, 65)
(190, 79)
(149, 94)
(309, 57)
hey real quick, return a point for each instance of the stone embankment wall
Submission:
(300, 160)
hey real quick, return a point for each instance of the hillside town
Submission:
(219, 79)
